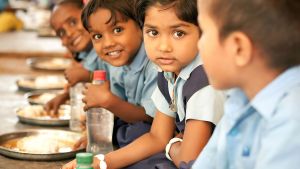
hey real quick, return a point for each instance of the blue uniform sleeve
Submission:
(206, 104)
(149, 85)
(91, 62)
(280, 144)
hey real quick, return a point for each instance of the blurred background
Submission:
(25, 14)
(25, 28)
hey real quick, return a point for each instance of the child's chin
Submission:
(167, 68)
(116, 63)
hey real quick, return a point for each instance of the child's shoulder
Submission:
(150, 67)
(290, 102)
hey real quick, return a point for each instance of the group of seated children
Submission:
(161, 85)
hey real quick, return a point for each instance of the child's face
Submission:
(66, 21)
(215, 55)
(170, 42)
(116, 44)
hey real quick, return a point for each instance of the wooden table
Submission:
(11, 69)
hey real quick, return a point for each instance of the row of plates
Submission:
(41, 144)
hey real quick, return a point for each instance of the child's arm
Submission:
(52, 106)
(101, 96)
(77, 73)
(161, 132)
(192, 143)
(151, 143)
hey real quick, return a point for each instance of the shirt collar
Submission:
(266, 101)
(186, 71)
(84, 54)
(139, 60)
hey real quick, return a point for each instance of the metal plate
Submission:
(49, 63)
(14, 144)
(26, 116)
(51, 82)
(41, 97)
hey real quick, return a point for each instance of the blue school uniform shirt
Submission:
(135, 82)
(206, 104)
(91, 61)
(263, 133)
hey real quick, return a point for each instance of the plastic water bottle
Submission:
(84, 161)
(100, 124)
(77, 113)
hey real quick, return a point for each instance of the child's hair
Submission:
(123, 7)
(272, 25)
(77, 3)
(186, 10)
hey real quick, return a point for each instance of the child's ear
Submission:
(241, 48)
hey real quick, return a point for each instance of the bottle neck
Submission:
(98, 82)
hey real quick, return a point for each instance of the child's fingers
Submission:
(87, 85)
(84, 100)
(84, 91)
(54, 112)
(70, 165)
(81, 143)
(85, 108)
(48, 107)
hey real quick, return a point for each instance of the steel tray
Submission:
(7, 148)
(49, 63)
(33, 98)
(44, 121)
(54, 82)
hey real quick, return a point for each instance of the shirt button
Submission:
(246, 151)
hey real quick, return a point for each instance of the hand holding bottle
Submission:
(97, 95)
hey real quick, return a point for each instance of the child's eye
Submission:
(118, 30)
(61, 33)
(72, 22)
(97, 36)
(152, 33)
(179, 34)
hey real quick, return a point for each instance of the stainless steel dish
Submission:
(41, 97)
(42, 83)
(14, 144)
(49, 63)
(35, 115)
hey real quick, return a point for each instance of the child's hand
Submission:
(77, 73)
(70, 165)
(96, 163)
(97, 96)
(81, 143)
(52, 106)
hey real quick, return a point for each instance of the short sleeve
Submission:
(206, 104)
(91, 61)
(150, 82)
(161, 103)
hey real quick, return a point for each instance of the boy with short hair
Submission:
(242, 50)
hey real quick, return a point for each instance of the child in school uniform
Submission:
(252, 49)
(183, 98)
(66, 21)
(117, 39)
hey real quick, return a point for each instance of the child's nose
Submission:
(164, 45)
(108, 42)
(69, 32)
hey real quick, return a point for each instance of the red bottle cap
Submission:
(100, 75)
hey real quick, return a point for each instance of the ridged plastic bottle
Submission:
(77, 112)
(100, 123)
